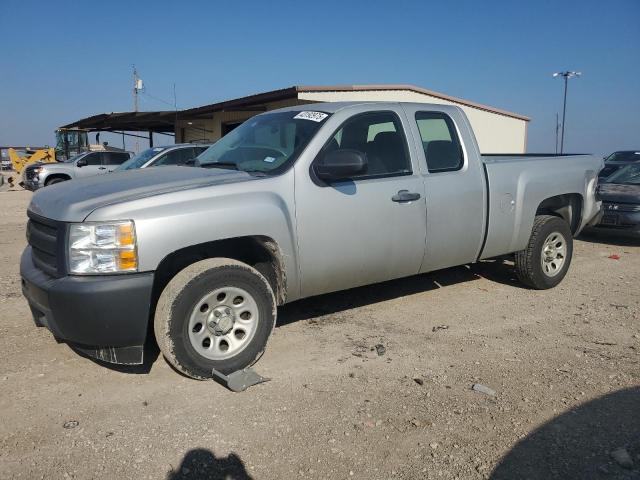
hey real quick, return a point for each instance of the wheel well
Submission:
(262, 253)
(567, 206)
(56, 175)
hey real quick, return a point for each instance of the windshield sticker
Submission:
(269, 159)
(313, 116)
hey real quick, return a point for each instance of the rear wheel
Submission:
(216, 313)
(545, 261)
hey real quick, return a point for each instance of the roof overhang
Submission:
(156, 122)
(165, 121)
(254, 102)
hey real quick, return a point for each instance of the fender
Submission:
(169, 222)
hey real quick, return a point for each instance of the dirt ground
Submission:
(564, 365)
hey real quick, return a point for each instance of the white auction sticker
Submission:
(314, 116)
(269, 159)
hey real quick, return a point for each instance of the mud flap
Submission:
(240, 380)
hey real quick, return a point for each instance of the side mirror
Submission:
(340, 165)
(81, 163)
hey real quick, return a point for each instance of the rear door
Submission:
(454, 184)
(361, 231)
(113, 160)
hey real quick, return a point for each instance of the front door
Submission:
(93, 165)
(369, 228)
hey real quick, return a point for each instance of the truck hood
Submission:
(74, 200)
(618, 192)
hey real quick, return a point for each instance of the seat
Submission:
(386, 154)
(442, 155)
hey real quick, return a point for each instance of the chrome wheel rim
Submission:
(223, 323)
(554, 252)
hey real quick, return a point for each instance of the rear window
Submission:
(440, 142)
(115, 158)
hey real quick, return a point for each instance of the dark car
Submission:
(620, 194)
(617, 160)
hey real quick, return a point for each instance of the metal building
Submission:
(497, 131)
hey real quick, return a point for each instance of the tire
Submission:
(55, 180)
(545, 261)
(209, 304)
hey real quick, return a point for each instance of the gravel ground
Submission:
(563, 363)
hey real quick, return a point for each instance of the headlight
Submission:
(108, 247)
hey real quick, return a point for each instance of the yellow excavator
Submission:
(45, 155)
(69, 143)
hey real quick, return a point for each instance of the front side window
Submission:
(94, 159)
(267, 144)
(440, 142)
(380, 137)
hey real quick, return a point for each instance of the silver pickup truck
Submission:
(293, 203)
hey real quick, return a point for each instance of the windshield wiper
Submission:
(225, 165)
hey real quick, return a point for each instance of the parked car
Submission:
(86, 164)
(617, 160)
(179, 154)
(620, 194)
(292, 203)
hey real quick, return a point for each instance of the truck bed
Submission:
(519, 183)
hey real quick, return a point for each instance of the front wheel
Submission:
(215, 314)
(545, 261)
(55, 180)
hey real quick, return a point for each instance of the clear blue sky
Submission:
(61, 61)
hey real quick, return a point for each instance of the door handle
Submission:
(405, 196)
(102, 168)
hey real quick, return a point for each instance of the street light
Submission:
(567, 75)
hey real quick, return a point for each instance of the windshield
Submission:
(629, 175)
(268, 143)
(140, 159)
(630, 156)
(74, 158)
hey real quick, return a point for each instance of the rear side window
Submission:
(380, 137)
(440, 142)
(115, 158)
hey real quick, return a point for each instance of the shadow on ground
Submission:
(202, 464)
(578, 443)
(497, 270)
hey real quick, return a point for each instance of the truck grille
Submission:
(30, 172)
(42, 235)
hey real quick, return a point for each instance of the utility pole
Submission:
(566, 75)
(135, 89)
(557, 130)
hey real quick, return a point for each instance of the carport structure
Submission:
(124, 123)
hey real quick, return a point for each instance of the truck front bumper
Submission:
(103, 316)
(622, 222)
(32, 185)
